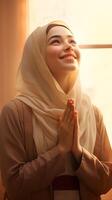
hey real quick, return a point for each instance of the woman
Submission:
(63, 152)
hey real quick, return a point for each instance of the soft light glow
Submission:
(91, 23)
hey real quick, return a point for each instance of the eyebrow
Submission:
(58, 36)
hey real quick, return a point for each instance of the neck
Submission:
(67, 81)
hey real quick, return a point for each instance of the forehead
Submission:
(60, 31)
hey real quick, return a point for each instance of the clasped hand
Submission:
(68, 131)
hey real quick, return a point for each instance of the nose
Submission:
(68, 46)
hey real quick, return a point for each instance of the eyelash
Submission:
(73, 41)
(57, 41)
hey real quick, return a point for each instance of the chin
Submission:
(71, 67)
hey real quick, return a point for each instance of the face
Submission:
(62, 52)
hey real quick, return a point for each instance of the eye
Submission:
(55, 42)
(73, 42)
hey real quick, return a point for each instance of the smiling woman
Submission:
(92, 29)
(53, 140)
(62, 56)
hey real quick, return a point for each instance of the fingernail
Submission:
(75, 112)
(70, 101)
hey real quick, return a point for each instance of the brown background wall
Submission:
(13, 25)
(13, 28)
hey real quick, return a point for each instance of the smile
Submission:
(69, 56)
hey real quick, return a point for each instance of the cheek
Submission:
(53, 52)
(77, 50)
(50, 57)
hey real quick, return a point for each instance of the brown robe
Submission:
(27, 176)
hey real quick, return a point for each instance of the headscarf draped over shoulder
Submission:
(37, 88)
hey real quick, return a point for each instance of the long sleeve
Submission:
(95, 171)
(21, 176)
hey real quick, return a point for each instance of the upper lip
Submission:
(68, 54)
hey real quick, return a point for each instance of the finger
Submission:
(71, 102)
(67, 111)
(76, 124)
(70, 106)
(72, 121)
(71, 113)
(77, 117)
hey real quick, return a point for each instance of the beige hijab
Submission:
(37, 88)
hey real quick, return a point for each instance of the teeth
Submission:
(68, 55)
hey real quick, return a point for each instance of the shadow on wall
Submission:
(2, 190)
(13, 31)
